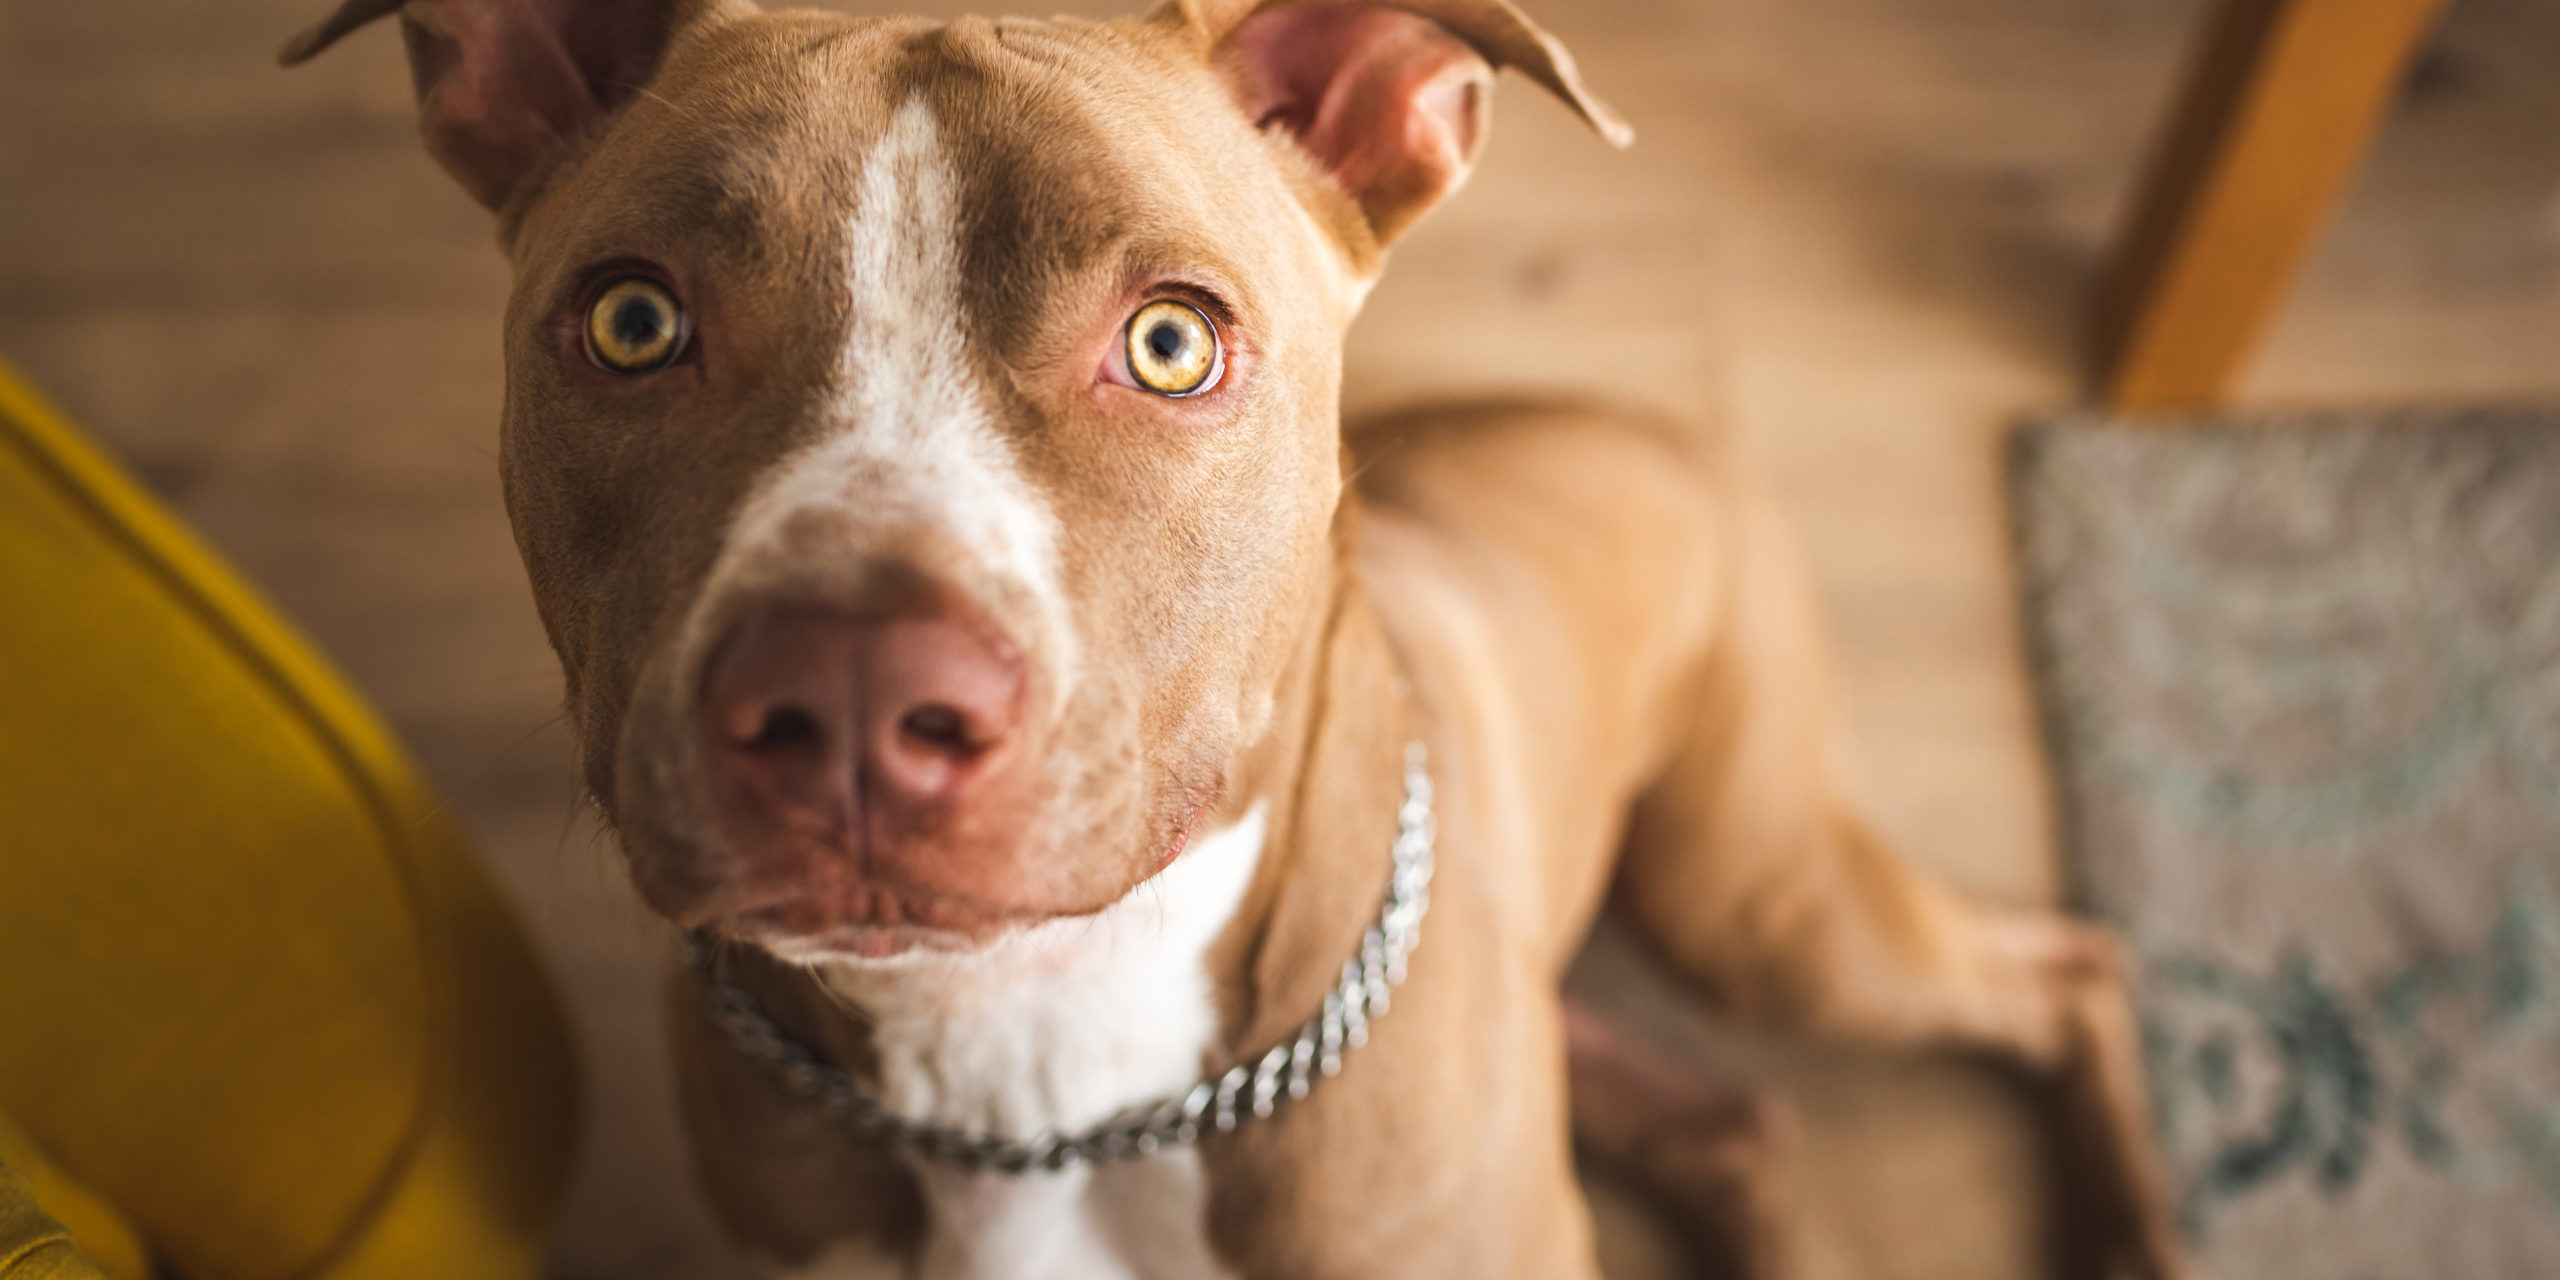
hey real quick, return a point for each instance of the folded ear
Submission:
(504, 85)
(1389, 96)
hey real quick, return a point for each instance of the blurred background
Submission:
(1859, 239)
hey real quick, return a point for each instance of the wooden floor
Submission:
(1854, 237)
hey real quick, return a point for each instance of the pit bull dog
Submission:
(1127, 824)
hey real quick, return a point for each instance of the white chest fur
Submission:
(1054, 1030)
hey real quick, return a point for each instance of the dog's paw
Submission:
(1725, 1172)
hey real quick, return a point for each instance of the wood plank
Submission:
(2282, 101)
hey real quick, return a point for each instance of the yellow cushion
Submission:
(279, 1015)
(33, 1246)
(47, 1216)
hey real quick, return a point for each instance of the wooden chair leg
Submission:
(2277, 111)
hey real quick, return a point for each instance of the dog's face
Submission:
(922, 438)
(908, 594)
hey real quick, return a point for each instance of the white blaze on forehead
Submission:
(910, 442)
(903, 359)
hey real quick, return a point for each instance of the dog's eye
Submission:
(635, 326)
(1173, 349)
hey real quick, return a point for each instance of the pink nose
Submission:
(826, 722)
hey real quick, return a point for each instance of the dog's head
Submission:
(922, 437)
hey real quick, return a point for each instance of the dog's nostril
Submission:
(939, 726)
(785, 726)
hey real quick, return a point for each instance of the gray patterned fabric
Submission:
(2303, 683)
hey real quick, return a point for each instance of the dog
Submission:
(1127, 823)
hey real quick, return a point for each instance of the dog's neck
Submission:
(1059, 1026)
(1331, 768)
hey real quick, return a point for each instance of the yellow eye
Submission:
(635, 326)
(1173, 349)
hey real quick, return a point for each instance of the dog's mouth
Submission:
(816, 913)
(876, 923)
(867, 942)
(825, 910)
(903, 927)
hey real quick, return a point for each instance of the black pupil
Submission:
(1167, 340)
(639, 322)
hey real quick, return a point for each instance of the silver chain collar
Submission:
(1283, 1074)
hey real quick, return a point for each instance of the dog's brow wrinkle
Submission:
(725, 198)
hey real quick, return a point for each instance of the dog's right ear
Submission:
(1387, 96)
(504, 85)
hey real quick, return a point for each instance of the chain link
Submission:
(1252, 1089)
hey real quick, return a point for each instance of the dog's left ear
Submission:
(1389, 96)
(504, 85)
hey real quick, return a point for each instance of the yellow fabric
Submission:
(33, 1246)
(281, 1018)
(45, 1213)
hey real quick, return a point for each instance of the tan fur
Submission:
(1601, 638)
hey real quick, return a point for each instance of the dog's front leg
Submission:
(1747, 865)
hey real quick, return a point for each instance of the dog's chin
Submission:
(886, 924)
(871, 922)
(869, 944)
(806, 906)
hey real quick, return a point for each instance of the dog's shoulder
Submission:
(1603, 507)
(1561, 456)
